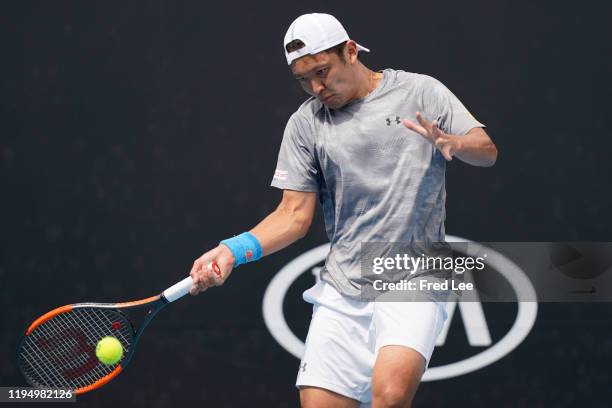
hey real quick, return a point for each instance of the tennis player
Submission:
(372, 147)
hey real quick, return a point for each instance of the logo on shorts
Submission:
(474, 320)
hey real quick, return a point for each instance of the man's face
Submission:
(326, 76)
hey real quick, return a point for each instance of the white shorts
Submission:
(345, 335)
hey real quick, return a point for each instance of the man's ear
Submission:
(350, 51)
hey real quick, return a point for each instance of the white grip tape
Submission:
(178, 290)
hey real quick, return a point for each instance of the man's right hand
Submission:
(203, 274)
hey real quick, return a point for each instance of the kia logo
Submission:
(471, 312)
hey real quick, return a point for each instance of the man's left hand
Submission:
(447, 144)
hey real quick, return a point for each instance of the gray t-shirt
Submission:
(377, 181)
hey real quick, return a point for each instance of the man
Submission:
(372, 146)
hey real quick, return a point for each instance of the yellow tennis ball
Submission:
(109, 350)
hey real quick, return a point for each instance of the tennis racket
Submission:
(58, 349)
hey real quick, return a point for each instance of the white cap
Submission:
(318, 32)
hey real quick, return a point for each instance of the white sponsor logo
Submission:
(280, 174)
(472, 314)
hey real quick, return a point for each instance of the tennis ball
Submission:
(109, 350)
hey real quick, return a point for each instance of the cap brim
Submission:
(362, 48)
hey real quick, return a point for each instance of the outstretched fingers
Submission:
(424, 122)
(415, 128)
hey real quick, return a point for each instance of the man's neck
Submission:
(368, 81)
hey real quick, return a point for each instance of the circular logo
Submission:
(525, 294)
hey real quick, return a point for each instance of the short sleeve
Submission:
(441, 104)
(296, 167)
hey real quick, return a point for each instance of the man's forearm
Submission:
(288, 223)
(280, 229)
(476, 148)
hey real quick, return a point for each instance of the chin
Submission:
(332, 104)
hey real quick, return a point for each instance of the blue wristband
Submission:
(245, 248)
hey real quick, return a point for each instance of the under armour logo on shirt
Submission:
(303, 367)
(397, 120)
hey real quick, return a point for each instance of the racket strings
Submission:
(61, 352)
(49, 358)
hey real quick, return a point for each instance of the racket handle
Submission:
(180, 289)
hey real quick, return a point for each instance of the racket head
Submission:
(59, 348)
